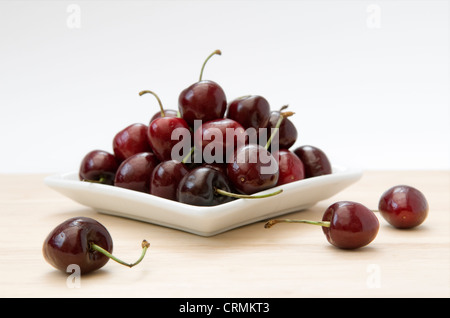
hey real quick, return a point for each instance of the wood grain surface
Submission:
(289, 260)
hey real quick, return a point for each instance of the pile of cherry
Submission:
(143, 161)
(143, 155)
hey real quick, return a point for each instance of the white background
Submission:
(368, 80)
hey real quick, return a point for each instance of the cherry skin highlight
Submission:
(403, 206)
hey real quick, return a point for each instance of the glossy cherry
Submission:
(166, 113)
(84, 242)
(346, 224)
(160, 132)
(206, 186)
(403, 206)
(98, 166)
(204, 100)
(290, 167)
(134, 172)
(198, 187)
(218, 139)
(252, 169)
(252, 112)
(165, 178)
(315, 161)
(288, 134)
(131, 140)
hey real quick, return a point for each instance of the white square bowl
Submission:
(204, 221)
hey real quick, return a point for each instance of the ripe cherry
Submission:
(252, 112)
(160, 132)
(98, 166)
(134, 172)
(218, 139)
(315, 161)
(198, 187)
(403, 206)
(204, 100)
(130, 141)
(84, 242)
(290, 167)
(165, 178)
(346, 224)
(205, 186)
(252, 168)
(287, 135)
(166, 113)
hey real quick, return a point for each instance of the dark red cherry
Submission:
(315, 161)
(198, 187)
(403, 206)
(84, 242)
(205, 186)
(352, 225)
(218, 139)
(346, 224)
(252, 112)
(290, 167)
(287, 134)
(130, 141)
(222, 167)
(252, 168)
(204, 100)
(161, 133)
(134, 172)
(165, 179)
(70, 243)
(167, 113)
(98, 166)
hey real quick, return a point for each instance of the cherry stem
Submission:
(246, 196)
(145, 246)
(283, 107)
(185, 159)
(100, 180)
(159, 101)
(277, 126)
(271, 223)
(218, 52)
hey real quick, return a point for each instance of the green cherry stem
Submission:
(218, 52)
(283, 115)
(100, 180)
(271, 223)
(145, 246)
(246, 196)
(159, 101)
(185, 159)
